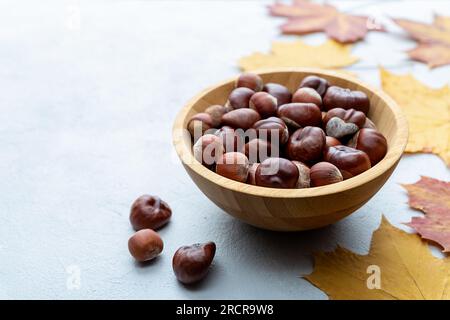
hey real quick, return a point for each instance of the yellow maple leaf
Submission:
(404, 263)
(329, 55)
(427, 110)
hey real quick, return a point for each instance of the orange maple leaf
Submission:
(432, 197)
(433, 39)
(307, 17)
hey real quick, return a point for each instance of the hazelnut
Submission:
(264, 103)
(208, 149)
(216, 112)
(303, 175)
(257, 150)
(349, 161)
(337, 97)
(369, 124)
(307, 95)
(234, 166)
(338, 128)
(281, 93)
(191, 263)
(149, 212)
(272, 129)
(241, 118)
(349, 116)
(250, 80)
(145, 245)
(239, 98)
(231, 139)
(252, 173)
(306, 144)
(371, 142)
(324, 173)
(317, 83)
(199, 123)
(277, 173)
(297, 115)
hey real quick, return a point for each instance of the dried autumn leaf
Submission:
(434, 40)
(328, 55)
(427, 110)
(432, 197)
(307, 17)
(404, 263)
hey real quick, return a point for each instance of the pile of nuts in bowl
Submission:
(266, 136)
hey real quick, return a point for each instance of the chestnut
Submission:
(208, 149)
(264, 103)
(297, 115)
(149, 212)
(145, 245)
(234, 166)
(317, 83)
(199, 123)
(337, 97)
(249, 80)
(231, 139)
(281, 93)
(349, 161)
(371, 142)
(216, 112)
(331, 142)
(191, 263)
(252, 173)
(277, 173)
(349, 116)
(272, 129)
(338, 128)
(257, 150)
(239, 98)
(241, 118)
(303, 175)
(307, 95)
(324, 173)
(306, 144)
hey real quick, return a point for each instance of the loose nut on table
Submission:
(191, 263)
(145, 245)
(149, 212)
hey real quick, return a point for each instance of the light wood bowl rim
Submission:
(395, 148)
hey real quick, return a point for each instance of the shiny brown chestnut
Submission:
(149, 212)
(277, 173)
(191, 263)
(232, 140)
(145, 245)
(349, 161)
(304, 180)
(251, 173)
(297, 115)
(307, 95)
(241, 118)
(264, 103)
(258, 150)
(234, 166)
(216, 112)
(317, 83)
(199, 123)
(250, 80)
(306, 144)
(280, 92)
(324, 173)
(372, 142)
(272, 129)
(337, 97)
(208, 149)
(239, 98)
(350, 116)
(331, 142)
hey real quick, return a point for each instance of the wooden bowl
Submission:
(294, 209)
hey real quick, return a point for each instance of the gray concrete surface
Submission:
(88, 93)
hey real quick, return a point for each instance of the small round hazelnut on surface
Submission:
(303, 175)
(191, 263)
(324, 173)
(306, 145)
(251, 173)
(297, 115)
(317, 83)
(307, 95)
(337, 97)
(241, 118)
(199, 123)
(149, 212)
(280, 92)
(240, 98)
(277, 173)
(351, 162)
(372, 142)
(208, 149)
(234, 166)
(250, 80)
(145, 245)
(216, 112)
(264, 103)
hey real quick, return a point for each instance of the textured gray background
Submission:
(88, 93)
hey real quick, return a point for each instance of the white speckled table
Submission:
(88, 93)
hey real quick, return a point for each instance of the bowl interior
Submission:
(384, 112)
